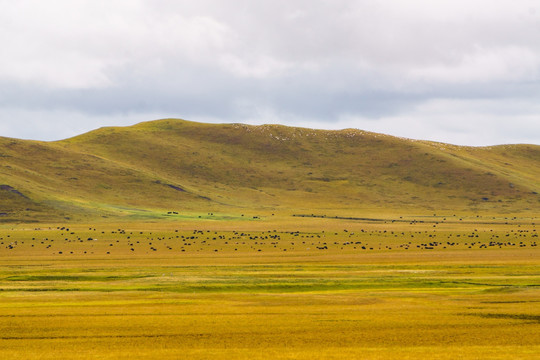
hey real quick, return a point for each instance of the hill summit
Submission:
(175, 166)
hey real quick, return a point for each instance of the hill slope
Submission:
(187, 167)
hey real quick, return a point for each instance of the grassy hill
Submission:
(193, 169)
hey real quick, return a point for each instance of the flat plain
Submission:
(274, 287)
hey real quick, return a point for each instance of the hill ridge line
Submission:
(261, 169)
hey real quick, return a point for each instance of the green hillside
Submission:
(150, 169)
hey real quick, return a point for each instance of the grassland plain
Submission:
(399, 287)
(174, 239)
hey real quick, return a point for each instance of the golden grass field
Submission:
(179, 240)
(279, 287)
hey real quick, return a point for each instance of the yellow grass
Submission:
(340, 302)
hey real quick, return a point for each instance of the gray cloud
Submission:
(441, 70)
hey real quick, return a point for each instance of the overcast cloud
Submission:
(459, 71)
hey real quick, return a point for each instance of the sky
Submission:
(457, 71)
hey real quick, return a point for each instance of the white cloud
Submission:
(298, 62)
(53, 44)
(260, 67)
(491, 65)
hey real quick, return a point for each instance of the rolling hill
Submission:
(175, 167)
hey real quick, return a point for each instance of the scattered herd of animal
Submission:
(65, 241)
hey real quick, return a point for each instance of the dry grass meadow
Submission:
(275, 288)
(172, 239)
